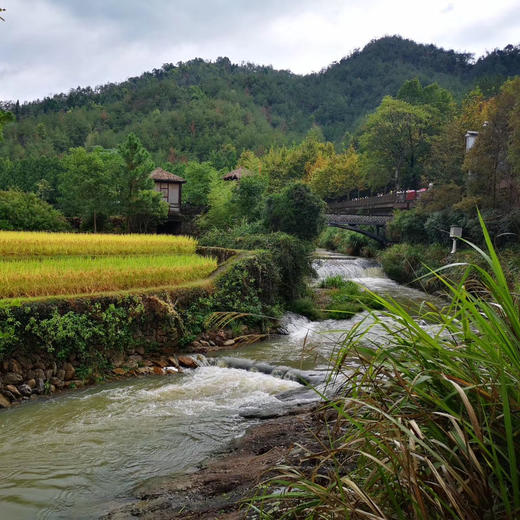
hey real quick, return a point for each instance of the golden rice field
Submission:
(86, 275)
(16, 244)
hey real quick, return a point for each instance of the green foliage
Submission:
(426, 427)
(408, 226)
(291, 256)
(26, 212)
(347, 298)
(348, 242)
(297, 211)
(137, 199)
(199, 178)
(306, 306)
(334, 282)
(248, 198)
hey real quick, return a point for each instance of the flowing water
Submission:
(82, 454)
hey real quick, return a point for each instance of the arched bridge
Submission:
(353, 223)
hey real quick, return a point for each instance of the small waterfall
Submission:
(348, 267)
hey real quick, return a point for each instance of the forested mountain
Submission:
(215, 110)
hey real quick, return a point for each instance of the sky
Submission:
(51, 46)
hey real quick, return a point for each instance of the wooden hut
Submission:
(170, 186)
(237, 174)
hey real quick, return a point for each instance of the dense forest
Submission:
(390, 116)
(208, 110)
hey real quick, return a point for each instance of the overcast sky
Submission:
(50, 46)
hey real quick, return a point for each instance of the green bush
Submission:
(408, 226)
(307, 307)
(21, 211)
(291, 256)
(348, 242)
(295, 210)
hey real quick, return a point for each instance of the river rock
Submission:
(12, 378)
(4, 402)
(171, 370)
(204, 342)
(140, 350)
(52, 389)
(187, 362)
(134, 361)
(60, 373)
(69, 371)
(158, 371)
(228, 342)
(5, 365)
(119, 371)
(9, 395)
(14, 366)
(13, 390)
(40, 386)
(31, 383)
(160, 362)
(117, 359)
(173, 361)
(39, 374)
(49, 373)
(25, 390)
(145, 370)
(57, 382)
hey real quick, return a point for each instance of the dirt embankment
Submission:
(218, 491)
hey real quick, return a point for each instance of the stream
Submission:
(81, 454)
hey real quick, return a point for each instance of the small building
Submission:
(237, 174)
(170, 186)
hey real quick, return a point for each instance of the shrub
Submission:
(295, 210)
(26, 212)
(348, 242)
(408, 226)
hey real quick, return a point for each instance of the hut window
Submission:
(163, 187)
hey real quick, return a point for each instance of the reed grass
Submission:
(428, 424)
(87, 275)
(19, 244)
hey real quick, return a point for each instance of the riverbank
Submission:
(53, 344)
(220, 489)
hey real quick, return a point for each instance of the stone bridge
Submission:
(353, 223)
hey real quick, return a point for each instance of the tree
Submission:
(136, 196)
(248, 196)
(26, 212)
(87, 186)
(395, 141)
(295, 210)
(199, 177)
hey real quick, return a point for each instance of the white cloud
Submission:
(49, 46)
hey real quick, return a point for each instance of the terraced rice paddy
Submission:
(50, 264)
(15, 244)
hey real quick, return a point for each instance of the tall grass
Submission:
(81, 275)
(25, 244)
(428, 424)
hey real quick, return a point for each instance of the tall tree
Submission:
(86, 186)
(137, 198)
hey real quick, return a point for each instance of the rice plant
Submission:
(428, 424)
(16, 244)
(87, 275)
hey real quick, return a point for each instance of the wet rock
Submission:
(145, 370)
(58, 383)
(14, 366)
(30, 374)
(4, 402)
(186, 361)
(74, 383)
(160, 362)
(13, 378)
(5, 365)
(117, 359)
(159, 371)
(69, 371)
(140, 350)
(60, 374)
(39, 374)
(204, 343)
(25, 390)
(31, 383)
(119, 371)
(49, 373)
(212, 343)
(228, 342)
(40, 386)
(171, 370)
(26, 363)
(9, 395)
(34, 396)
(13, 390)
(173, 361)
(52, 389)
(134, 361)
